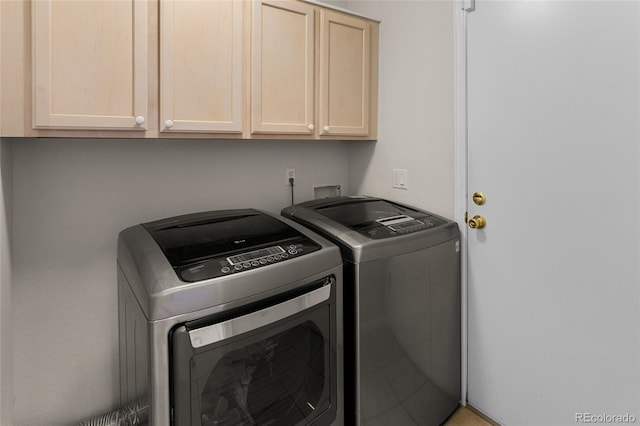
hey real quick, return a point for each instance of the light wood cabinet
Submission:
(282, 67)
(345, 75)
(201, 66)
(313, 72)
(89, 64)
(251, 69)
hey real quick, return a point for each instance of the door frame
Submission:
(460, 166)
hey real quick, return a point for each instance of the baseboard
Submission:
(482, 415)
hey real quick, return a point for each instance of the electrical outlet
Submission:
(289, 173)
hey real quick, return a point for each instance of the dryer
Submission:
(230, 317)
(401, 307)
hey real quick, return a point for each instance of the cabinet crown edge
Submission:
(341, 9)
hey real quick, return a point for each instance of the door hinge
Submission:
(468, 5)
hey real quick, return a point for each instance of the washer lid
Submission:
(377, 218)
(195, 237)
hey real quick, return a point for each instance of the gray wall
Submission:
(416, 105)
(71, 198)
(6, 299)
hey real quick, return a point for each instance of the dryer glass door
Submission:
(282, 373)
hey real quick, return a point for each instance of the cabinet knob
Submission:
(139, 120)
(168, 124)
(326, 129)
(311, 127)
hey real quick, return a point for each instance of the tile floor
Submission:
(466, 417)
(395, 389)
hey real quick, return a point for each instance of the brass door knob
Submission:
(479, 198)
(477, 222)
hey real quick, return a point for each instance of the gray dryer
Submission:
(230, 317)
(401, 307)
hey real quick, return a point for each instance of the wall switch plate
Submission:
(400, 179)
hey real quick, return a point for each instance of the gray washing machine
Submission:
(230, 317)
(401, 307)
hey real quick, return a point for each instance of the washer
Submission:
(230, 317)
(402, 307)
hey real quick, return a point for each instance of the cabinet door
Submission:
(345, 68)
(90, 64)
(201, 56)
(282, 97)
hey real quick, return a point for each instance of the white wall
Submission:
(416, 105)
(71, 198)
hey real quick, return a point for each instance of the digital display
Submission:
(256, 254)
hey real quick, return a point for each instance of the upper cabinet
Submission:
(89, 64)
(228, 69)
(345, 75)
(282, 68)
(201, 66)
(314, 71)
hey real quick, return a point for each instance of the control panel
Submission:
(399, 225)
(408, 227)
(245, 261)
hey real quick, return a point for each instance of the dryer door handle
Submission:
(227, 329)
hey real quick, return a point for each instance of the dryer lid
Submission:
(190, 238)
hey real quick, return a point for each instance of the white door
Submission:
(554, 277)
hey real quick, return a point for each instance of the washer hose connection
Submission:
(133, 414)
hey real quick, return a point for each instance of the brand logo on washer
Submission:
(239, 241)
